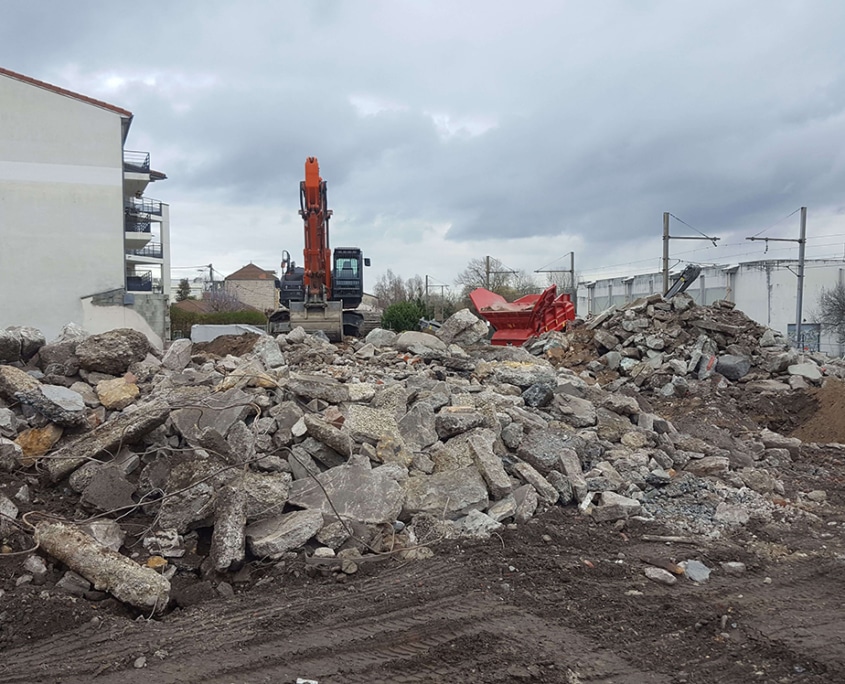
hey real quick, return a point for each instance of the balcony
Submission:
(142, 205)
(136, 162)
(137, 231)
(136, 172)
(139, 281)
(153, 250)
(133, 224)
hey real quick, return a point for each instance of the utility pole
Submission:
(211, 277)
(665, 252)
(488, 271)
(667, 237)
(802, 241)
(426, 291)
(571, 271)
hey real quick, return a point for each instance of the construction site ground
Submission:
(561, 599)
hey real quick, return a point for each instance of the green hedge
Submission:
(403, 316)
(181, 321)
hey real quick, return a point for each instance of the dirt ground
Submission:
(560, 599)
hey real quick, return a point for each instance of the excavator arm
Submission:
(315, 214)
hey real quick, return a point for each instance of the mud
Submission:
(561, 599)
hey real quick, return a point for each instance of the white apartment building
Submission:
(766, 291)
(79, 241)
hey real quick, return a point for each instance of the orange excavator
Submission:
(322, 294)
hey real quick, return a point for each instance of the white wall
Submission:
(97, 319)
(61, 206)
(766, 291)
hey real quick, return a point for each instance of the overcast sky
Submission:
(457, 129)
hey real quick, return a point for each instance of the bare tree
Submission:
(523, 283)
(389, 289)
(415, 288)
(221, 300)
(832, 310)
(485, 272)
(565, 281)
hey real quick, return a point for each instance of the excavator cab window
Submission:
(347, 269)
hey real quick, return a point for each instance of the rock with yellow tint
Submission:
(117, 394)
(156, 562)
(36, 442)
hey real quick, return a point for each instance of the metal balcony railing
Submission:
(133, 224)
(142, 205)
(152, 249)
(139, 281)
(138, 162)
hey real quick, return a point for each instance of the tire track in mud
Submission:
(375, 633)
(216, 625)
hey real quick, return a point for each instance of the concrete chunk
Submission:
(282, 533)
(106, 569)
(447, 493)
(368, 496)
(108, 437)
(544, 489)
(228, 541)
(329, 435)
(490, 466)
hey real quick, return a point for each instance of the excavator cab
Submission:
(348, 276)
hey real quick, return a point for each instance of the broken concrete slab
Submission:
(318, 387)
(613, 506)
(274, 536)
(178, 355)
(418, 427)
(201, 408)
(490, 466)
(449, 493)
(544, 488)
(58, 404)
(368, 496)
(329, 435)
(366, 424)
(479, 525)
(126, 428)
(228, 539)
(463, 328)
(453, 420)
(109, 490)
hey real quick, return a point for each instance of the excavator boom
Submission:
(315, 213)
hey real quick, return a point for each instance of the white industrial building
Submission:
(79, 241)
(766, 291)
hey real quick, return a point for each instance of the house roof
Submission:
(251, 272)
(206, 305)
(194, 306)
(68, 93)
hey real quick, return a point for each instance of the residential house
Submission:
(79, 240)
(255, 287)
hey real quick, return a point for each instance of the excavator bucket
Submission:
(326, 316)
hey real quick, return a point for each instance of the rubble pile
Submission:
(659, 346)
(139, 474)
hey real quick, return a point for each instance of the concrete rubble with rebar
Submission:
(372, 448)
